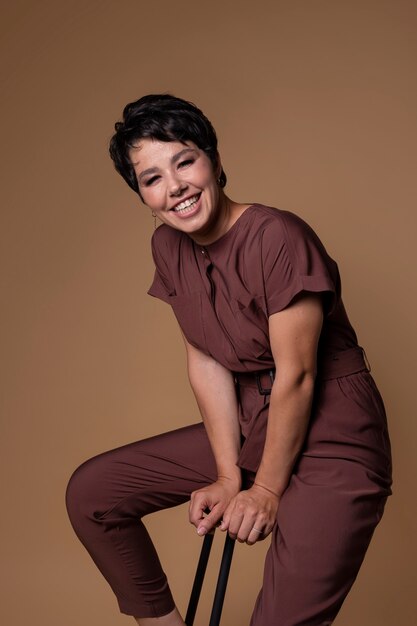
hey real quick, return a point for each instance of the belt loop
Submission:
(262, 391)
(365, 358)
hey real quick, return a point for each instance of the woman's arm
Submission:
(294, 335)
(214, 390)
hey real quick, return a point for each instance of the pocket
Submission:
(252, 324)
(360, 389)
(188, 311)
(368, 416)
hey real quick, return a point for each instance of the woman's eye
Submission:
(150, 181)
(186, 162)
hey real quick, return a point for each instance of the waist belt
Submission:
(330, 366)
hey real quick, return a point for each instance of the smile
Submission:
(187, 205)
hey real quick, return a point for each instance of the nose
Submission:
(176, 186)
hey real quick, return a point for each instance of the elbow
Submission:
(304, 383)
(301, 381)
(305, 379)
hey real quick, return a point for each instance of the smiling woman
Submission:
(181, 186)
(164, 118)
(294, 436)
(171, 161)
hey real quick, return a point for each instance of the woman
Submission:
(294, 440)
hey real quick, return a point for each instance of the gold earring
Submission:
(154, 220)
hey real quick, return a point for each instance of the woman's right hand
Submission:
(215, 498)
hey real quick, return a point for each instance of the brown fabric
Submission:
(108, 495)
(325, 520)
(222, 296)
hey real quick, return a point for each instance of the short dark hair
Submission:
(165, 118)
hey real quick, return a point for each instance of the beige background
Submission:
(314, 103)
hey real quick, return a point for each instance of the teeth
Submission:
(187, 204)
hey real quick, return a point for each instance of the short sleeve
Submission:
(161, 286)
(295, 261)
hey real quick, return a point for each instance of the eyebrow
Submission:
(175, 158)
(181, 153)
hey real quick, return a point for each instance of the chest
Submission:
(220, 305)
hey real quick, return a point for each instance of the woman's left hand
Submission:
(251, 515)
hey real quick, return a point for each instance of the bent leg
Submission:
(325, 522)
(108, 495)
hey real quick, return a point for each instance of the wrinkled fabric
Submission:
(222, 295)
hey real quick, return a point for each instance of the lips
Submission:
(186, 206)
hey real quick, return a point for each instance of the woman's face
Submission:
(178, 183)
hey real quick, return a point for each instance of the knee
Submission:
(84, 492)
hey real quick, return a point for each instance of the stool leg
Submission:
(225, 564)
(199, 578)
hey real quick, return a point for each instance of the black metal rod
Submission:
(198, 579)
(225, 564)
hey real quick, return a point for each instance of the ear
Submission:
(219, 167)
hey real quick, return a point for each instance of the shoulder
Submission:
(276, 219)
(165, 241)
(283, 234)
(275, 225)
(164, 235)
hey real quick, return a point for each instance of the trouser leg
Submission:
(325, 522)
(108, 495)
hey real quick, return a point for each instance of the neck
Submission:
(222, 220)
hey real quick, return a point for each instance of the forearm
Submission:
(214, 390)
(289, 412)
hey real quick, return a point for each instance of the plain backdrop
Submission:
(315, 107)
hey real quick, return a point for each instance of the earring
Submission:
(219, 181)
(154, 220)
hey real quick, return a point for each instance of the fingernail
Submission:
(201, 531)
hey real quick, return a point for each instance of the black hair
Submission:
(165, 118)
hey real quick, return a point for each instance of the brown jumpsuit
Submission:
(222, 295)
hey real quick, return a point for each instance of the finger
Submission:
(195, 515)
(246, 526)
(225, 521)
(242, 518)
(209, 521)
(198, 505)
(235, 523)
(262, 530)
(255, 534)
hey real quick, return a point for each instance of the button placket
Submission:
(209, 268)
